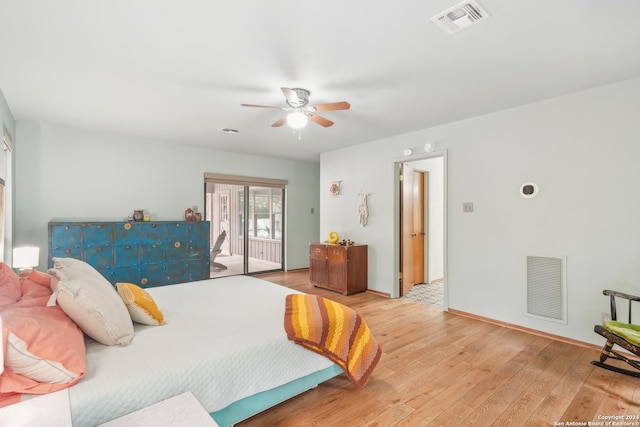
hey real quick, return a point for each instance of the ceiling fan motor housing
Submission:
(300, 99)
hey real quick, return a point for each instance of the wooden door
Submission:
(411, 228)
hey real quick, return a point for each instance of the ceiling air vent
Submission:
(460, 16)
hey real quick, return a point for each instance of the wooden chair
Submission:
(615, 339)
(215, 251)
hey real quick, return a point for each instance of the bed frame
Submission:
(252, 405)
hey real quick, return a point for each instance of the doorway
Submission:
(413, 228)
(247, 224)
(421, 248)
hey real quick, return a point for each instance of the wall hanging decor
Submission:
(334, 188)
(363, 209)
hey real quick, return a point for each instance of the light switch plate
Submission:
(467, 207)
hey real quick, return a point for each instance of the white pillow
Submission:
(91, 302)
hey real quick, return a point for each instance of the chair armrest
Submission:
(621, 295)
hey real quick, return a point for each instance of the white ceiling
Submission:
(177, 71)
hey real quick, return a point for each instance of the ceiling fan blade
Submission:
(258, 106)
(282, 120)
(321, 120)
(291, 95)
(333, 106)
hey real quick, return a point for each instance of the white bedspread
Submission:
(224, 341)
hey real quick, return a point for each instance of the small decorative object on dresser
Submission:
(333, 237)
(338, 268)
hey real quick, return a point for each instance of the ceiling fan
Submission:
(299, 112)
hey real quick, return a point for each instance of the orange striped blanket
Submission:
(335, 331)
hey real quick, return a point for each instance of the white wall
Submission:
(583, 150)
(66, 173)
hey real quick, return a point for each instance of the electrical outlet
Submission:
(467, 207)
(604, 317)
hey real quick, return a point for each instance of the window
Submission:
(265, 212)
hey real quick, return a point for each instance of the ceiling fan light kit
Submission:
(297, 119)
(299, 112)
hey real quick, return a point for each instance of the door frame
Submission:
(396, 221)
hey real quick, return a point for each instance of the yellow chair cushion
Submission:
(630, 332)
(142, 308)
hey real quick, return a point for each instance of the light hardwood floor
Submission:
(440, 369)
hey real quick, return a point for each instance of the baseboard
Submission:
(382, 294)
(434, 281)
(528, 330)
(296, 270)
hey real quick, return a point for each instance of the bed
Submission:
(223, 341)
(223, 332)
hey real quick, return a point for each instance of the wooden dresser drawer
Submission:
(318, 251)
(336, 253)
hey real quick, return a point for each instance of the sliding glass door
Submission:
(247, 225)
(262, 231)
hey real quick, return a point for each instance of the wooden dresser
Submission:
(338, 268)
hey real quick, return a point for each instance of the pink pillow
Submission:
(10, 291)
(35, 287)
(44, 348)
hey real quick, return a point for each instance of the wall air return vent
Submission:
(460, 16)
(546, 287)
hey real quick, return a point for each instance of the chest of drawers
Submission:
(147, 254)
(338, 268)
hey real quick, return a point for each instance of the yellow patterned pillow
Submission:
(142, 308)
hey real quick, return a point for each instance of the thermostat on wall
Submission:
(529, 190)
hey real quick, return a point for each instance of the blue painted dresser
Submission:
(148, 254)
